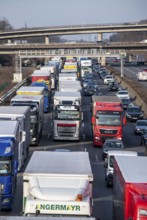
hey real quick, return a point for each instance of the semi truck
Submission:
(60, 186)
(130, 188)
(36, 104)
(10, 137)
(85, 66)
(108, 163)
(42, 89)
(107, 118)
(67, 116)
(22, 115)
(41, 76)
(140, 59)
(46, 93)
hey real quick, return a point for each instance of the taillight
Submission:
(79, 198)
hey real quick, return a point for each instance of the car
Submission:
(111, 144)
(108, 79)
(140, 126)
(89, 90)
(144, 137)
(122, 94)
(134, 113)
(113, 86)
(126, 103)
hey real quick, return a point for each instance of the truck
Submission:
(37, 88)
(108, 163)
(142, 75)
(85, 66)
(22, 115)
(10, 137)
(67, 116)
(107, 119)
(46, 93)
(41, 76)
(130, 188)
(52, 69)
(140, 59)
(60, 186)
(36, 104)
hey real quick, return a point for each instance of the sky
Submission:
(44, 13)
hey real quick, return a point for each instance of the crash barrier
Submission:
(127, 83)
(11, 92)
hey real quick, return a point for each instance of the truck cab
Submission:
(10, 137)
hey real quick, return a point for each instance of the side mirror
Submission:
(124, 121)
(106, 163)
(15, 167)
(93, 120)
(22, 136)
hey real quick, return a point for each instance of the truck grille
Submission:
(111, 132)
(66, 130)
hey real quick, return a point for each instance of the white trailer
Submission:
(36, 104)
(67, 76)
(30, 90)
(70, 86)
(22, 115)
(61, 185)
(45, 218)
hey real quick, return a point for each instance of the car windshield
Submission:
(141, 123)
(126, 101)
(123, 93)
(114, 144)
(133, 110)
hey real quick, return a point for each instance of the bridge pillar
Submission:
(9, 41)
(103, 61)
(47, 40)
(99, 37)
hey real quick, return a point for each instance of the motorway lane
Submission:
(102, 196)
(131, 72)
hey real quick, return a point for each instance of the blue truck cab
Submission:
(10, 136)
(47, 94)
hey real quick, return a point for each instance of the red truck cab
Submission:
(107, 118)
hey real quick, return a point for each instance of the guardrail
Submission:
(11, 92)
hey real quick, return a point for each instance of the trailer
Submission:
(130, 188)
(61, 185)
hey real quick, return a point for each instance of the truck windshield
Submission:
(108, 118)
(5, 167)
(67, 114)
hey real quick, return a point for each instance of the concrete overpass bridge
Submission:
(73, 30)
